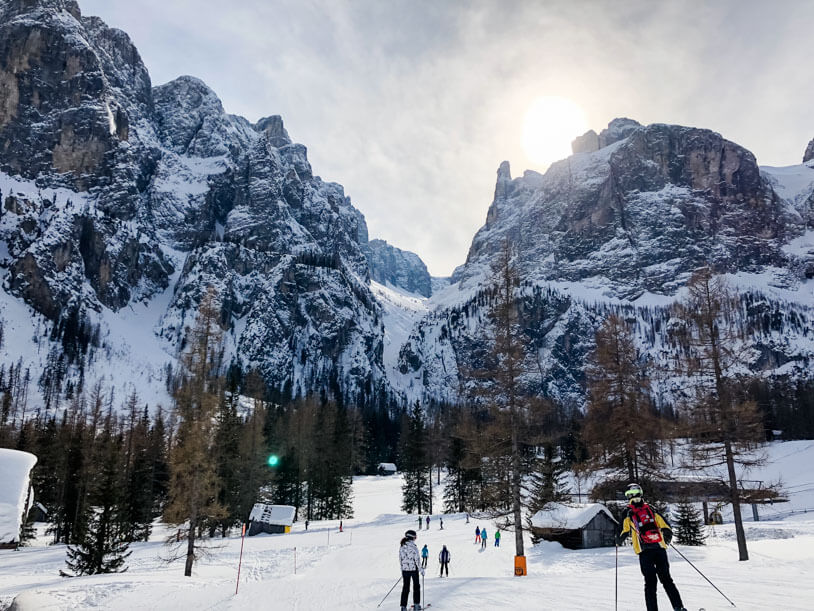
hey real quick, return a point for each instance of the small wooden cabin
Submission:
(386, 468)
(581, 526)
(272, 519)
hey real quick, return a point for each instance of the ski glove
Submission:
(422, 572)
(667, 533)
(620, 538)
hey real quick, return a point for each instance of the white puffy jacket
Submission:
(409, 557)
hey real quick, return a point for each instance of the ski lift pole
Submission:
(240, 562)
(702, 575)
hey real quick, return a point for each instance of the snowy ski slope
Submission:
(354, 569)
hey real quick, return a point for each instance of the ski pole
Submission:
(616, 582)
(702, 575)
(388, 593)
(242, 539)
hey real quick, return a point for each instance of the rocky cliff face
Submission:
(115, 192)
(625, 211)
(399, 268)
(809, 154)
(620, 227)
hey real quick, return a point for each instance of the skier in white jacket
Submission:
(410, 562)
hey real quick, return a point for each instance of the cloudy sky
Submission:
(413, 104)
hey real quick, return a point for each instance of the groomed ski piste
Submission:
(354, 569)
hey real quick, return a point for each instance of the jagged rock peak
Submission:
(586, 143)
(618, 129)
(399, 268)
(504, 180)
(809, 154)
(11, 8)
(274, 129)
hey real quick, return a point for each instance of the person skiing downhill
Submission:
(477, 534)
(428, 522)
(420, 522)
(444, 557)
(410, 568)
(497, 538)
(651, 534)
(483, 538)
(425, 553)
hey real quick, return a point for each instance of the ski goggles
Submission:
(633, 493)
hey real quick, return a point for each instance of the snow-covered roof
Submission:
(568, 517)
(280, 515)
(15, 468)
(387, 466)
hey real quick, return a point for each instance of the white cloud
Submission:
(412, 105)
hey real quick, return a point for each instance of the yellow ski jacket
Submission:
(640, 529)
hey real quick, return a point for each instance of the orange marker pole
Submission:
(240, 562)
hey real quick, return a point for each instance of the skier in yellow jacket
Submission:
(651, 534)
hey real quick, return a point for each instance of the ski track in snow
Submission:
(354, 569)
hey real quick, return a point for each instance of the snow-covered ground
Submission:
(325, 569)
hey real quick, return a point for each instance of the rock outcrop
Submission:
(399, 268)
(809, 154)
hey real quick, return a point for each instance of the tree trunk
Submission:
(190, 549)
(429, 479)
(743, 553)
(516, 495)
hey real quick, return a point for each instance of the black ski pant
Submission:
(405, 589)
(445, 567)
(654, 564)
(424, 562)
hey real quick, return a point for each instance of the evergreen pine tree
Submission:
(101, 546)
(547, 481)
(689, 525)
(414, 465)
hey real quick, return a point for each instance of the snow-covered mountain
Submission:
(119, 195)
(399, 268)
(124, 203)
(619, 226)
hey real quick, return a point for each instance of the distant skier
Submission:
(425, 553)
(444, 557)
(306, 525)
(340, 525)
(420, 521)
(497, 538)
(441, 519)
(651, 534)
(483, 538)
(477, 534)
(467, 518)
(410, 568)
(428, 522)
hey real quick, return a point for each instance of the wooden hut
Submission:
(386, 468)
(272, 519)
(580, 526)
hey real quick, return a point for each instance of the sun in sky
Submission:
(550, 124)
